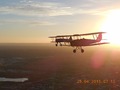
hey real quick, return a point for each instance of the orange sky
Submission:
(33, 21)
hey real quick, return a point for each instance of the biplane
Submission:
(77, 41)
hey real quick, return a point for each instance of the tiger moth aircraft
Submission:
(77, 40)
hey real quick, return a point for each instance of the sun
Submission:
(112, 26)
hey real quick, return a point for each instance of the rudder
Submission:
(99, 38)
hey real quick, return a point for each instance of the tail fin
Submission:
(99, 38)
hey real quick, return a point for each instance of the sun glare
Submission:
(112, 26)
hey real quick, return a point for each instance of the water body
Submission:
(3, 79)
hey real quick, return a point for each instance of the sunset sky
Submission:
(33, 21)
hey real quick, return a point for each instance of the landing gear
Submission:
(82, 50)
(56, 44)
(75, 50)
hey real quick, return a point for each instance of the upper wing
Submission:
(89, 34)
(76, 34)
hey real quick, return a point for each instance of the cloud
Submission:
(29, 22)
(38, 8)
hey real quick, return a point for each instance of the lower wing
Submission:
(101, 43)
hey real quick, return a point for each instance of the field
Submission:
(57, 68)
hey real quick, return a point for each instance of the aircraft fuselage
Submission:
(82, 42)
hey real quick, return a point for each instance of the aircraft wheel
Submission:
(74, 51)
(56, 44)
(82, 50)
